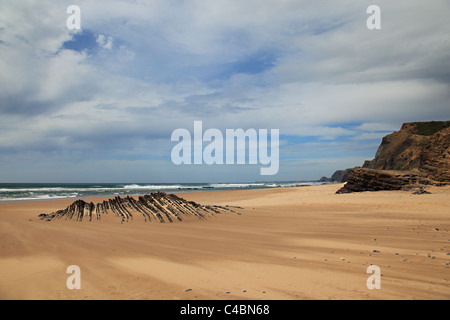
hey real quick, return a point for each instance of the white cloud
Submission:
(160, 65)
(104, 41)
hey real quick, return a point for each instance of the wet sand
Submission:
(288, 243)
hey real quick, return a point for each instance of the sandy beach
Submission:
(287, 243)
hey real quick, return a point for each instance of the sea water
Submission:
(49, 191)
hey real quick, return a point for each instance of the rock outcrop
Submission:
(341, 175)
(418, 154)
(363, 179)
(338, 176)
(160, 207)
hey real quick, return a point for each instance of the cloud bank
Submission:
(99, 104)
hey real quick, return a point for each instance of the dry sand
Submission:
(288, 243)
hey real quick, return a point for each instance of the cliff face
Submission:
(418, 154)
(410, 149)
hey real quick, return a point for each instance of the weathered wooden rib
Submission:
(157, 206)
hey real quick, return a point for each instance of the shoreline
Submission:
(182, 191)
(288, 243)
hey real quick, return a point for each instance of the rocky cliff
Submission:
(417, 154)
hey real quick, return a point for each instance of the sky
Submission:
(99, 104)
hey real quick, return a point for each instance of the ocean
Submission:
(49, 191)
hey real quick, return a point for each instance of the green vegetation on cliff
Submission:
(429, 128)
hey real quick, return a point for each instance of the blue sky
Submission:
(100, 104)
